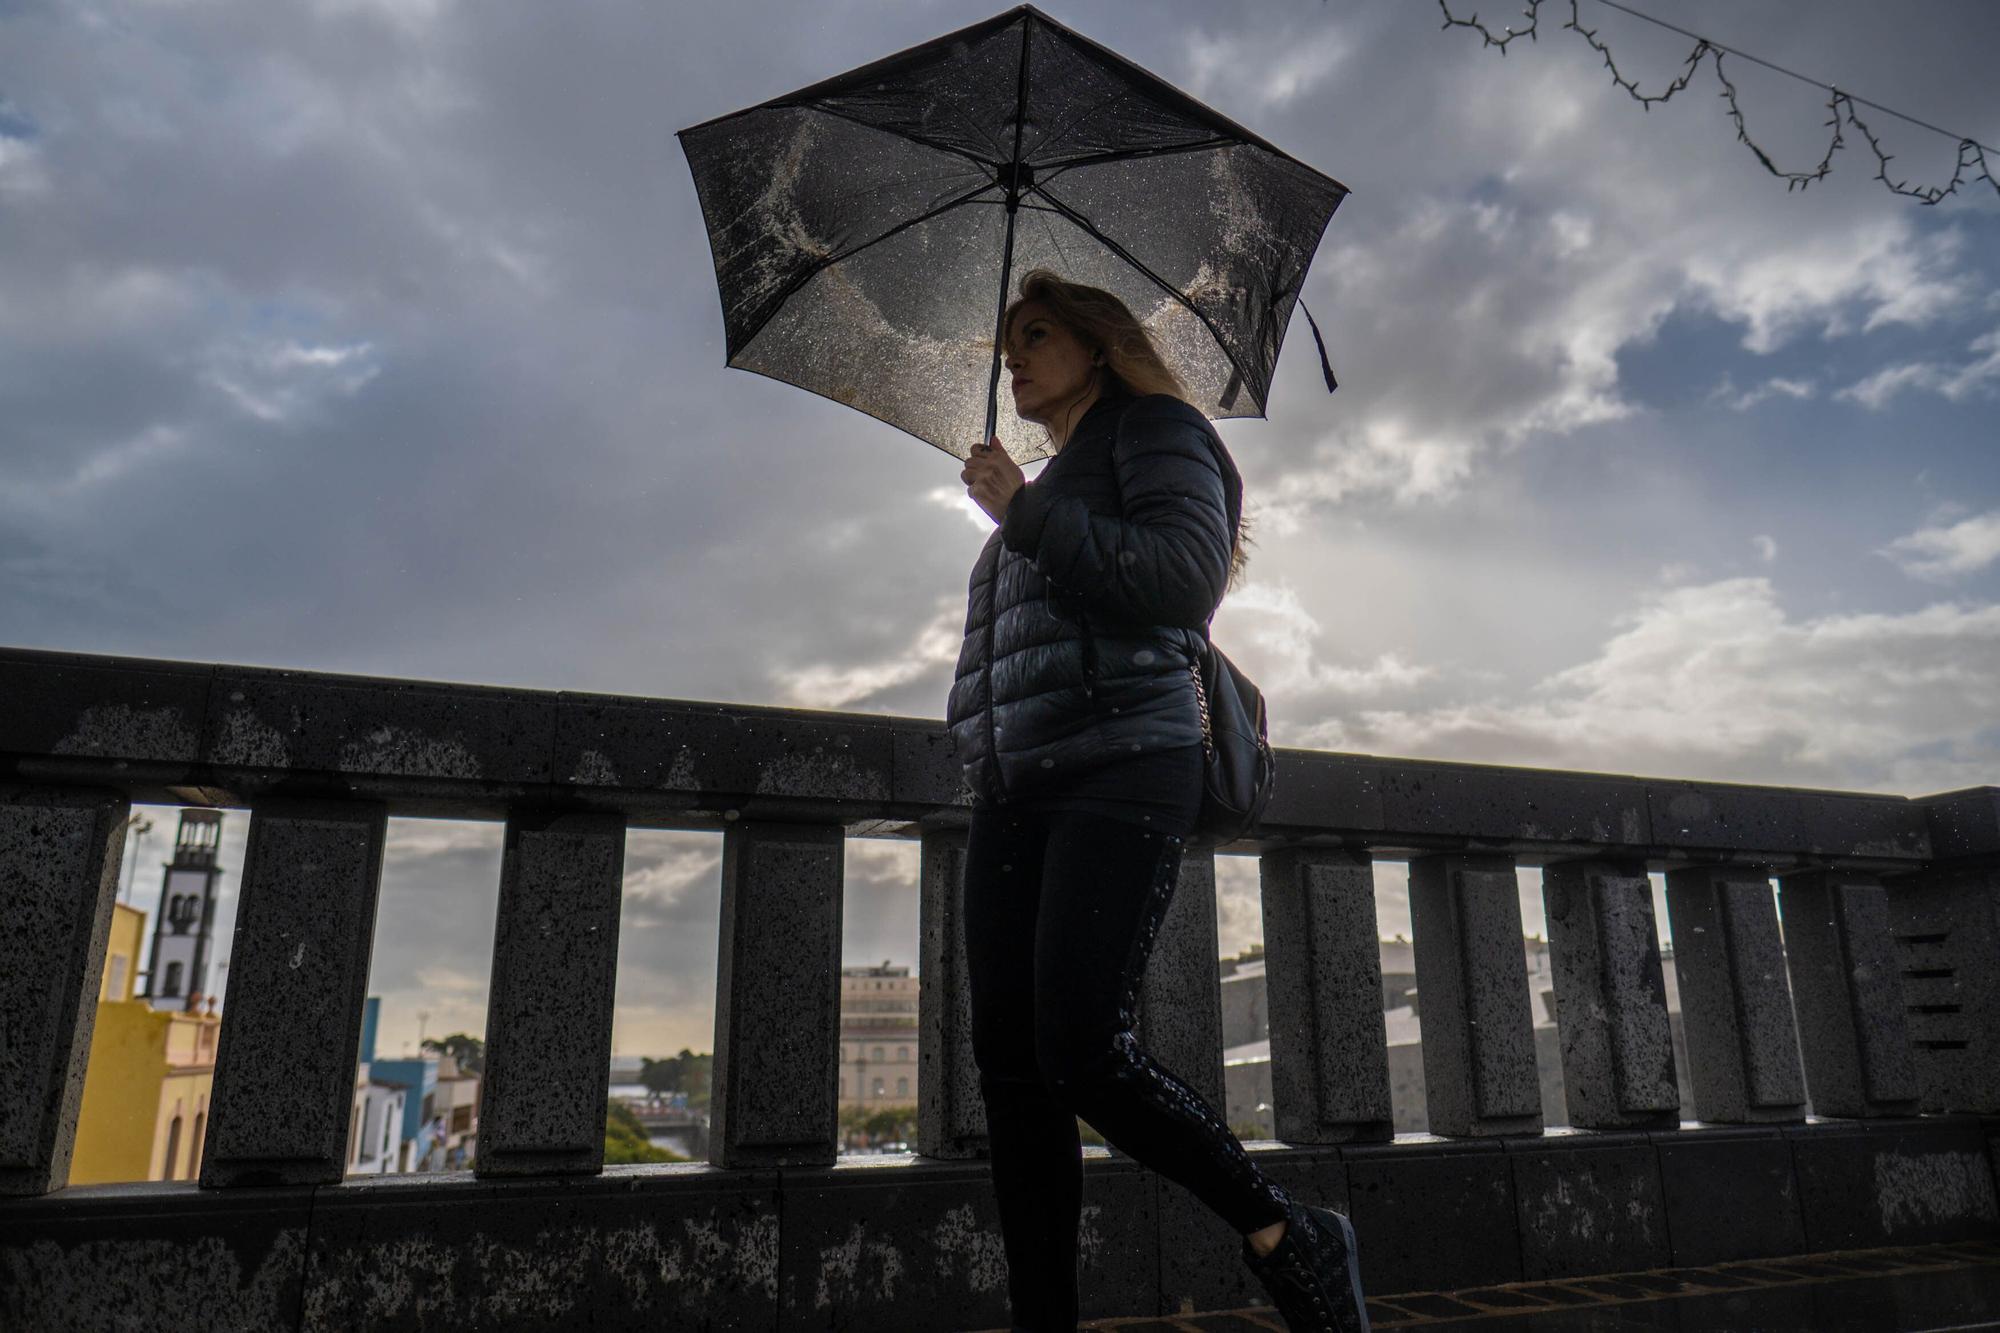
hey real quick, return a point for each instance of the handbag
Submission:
(1238, 766)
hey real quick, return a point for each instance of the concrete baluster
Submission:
(1611, 1004)
(1742, 1043)
(1472, 993)
(1946, 925)
(291, 1030)
(1849, 999)
(548, 1017)
(1323, 979)
(59, 855)
(774, 1100)
(1180, 997)
(951, 1113)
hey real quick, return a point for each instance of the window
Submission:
(878, 1093)
(173, 987)
(903, 1053)
(878, 1052)
(114, 977)
(173, 1149)
(194, 1149)
(902, 1087)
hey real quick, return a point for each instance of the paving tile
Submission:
(1703, 1277)
(1388, 1316)
(1605, 1286)
(1565, 1295)
(1435, 1306)
(1506, 1298)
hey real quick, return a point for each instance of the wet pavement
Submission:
(1914, 1289)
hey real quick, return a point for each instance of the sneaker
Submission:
(1314, 1274)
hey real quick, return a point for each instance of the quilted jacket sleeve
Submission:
(1165, 560)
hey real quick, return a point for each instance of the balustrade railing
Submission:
(1876, 961)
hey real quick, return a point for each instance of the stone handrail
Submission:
(1886, 987)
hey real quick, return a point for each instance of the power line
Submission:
(1972, 163)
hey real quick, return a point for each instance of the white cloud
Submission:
(662, 870)
(278, 382)
(1381, 458)
(1743, 400)
(846, 685)
(21, 169)
(1944, 552)
(1766, 546)
(1715, 681)
(1898, 274)
(1284, 639)
(1976, 377)
(1287, 69)
(958, 501)
(153, 443)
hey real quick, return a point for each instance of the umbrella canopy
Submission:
(865, 229)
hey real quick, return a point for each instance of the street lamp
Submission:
(137, 826)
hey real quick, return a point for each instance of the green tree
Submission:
(660, 1076)
(625, 1139)
(695, 1073)
(886, 1123)
(468, 1050)
(686, 1072)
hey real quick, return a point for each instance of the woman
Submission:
(1074, 712)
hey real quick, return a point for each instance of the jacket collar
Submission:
(1102, 414)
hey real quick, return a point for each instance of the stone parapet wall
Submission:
(773, 1231)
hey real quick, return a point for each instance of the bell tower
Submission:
(184, 927)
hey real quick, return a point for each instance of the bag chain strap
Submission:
(1201, 702)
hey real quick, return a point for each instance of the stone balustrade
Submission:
(1867, 987)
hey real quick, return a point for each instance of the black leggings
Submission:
(1060, 913)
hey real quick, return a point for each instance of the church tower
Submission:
(185, 924)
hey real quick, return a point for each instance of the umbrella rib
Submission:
(817, 269)
(1091, 110)
(1055, 244)
(1014, 193)
(1164, 285)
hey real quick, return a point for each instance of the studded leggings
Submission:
(1061, 910)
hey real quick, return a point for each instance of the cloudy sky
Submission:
(381, 336)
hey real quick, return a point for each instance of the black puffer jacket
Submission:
(1087, 603)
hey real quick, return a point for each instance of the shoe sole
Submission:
(1326, 1216)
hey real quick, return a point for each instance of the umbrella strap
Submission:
(1326, 366)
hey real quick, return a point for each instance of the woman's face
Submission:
(1051, 369)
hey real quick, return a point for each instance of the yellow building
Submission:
(878, 1036)
(145, 1095)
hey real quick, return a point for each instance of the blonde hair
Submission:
(1102, 323)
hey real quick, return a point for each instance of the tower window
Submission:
(173, 986)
